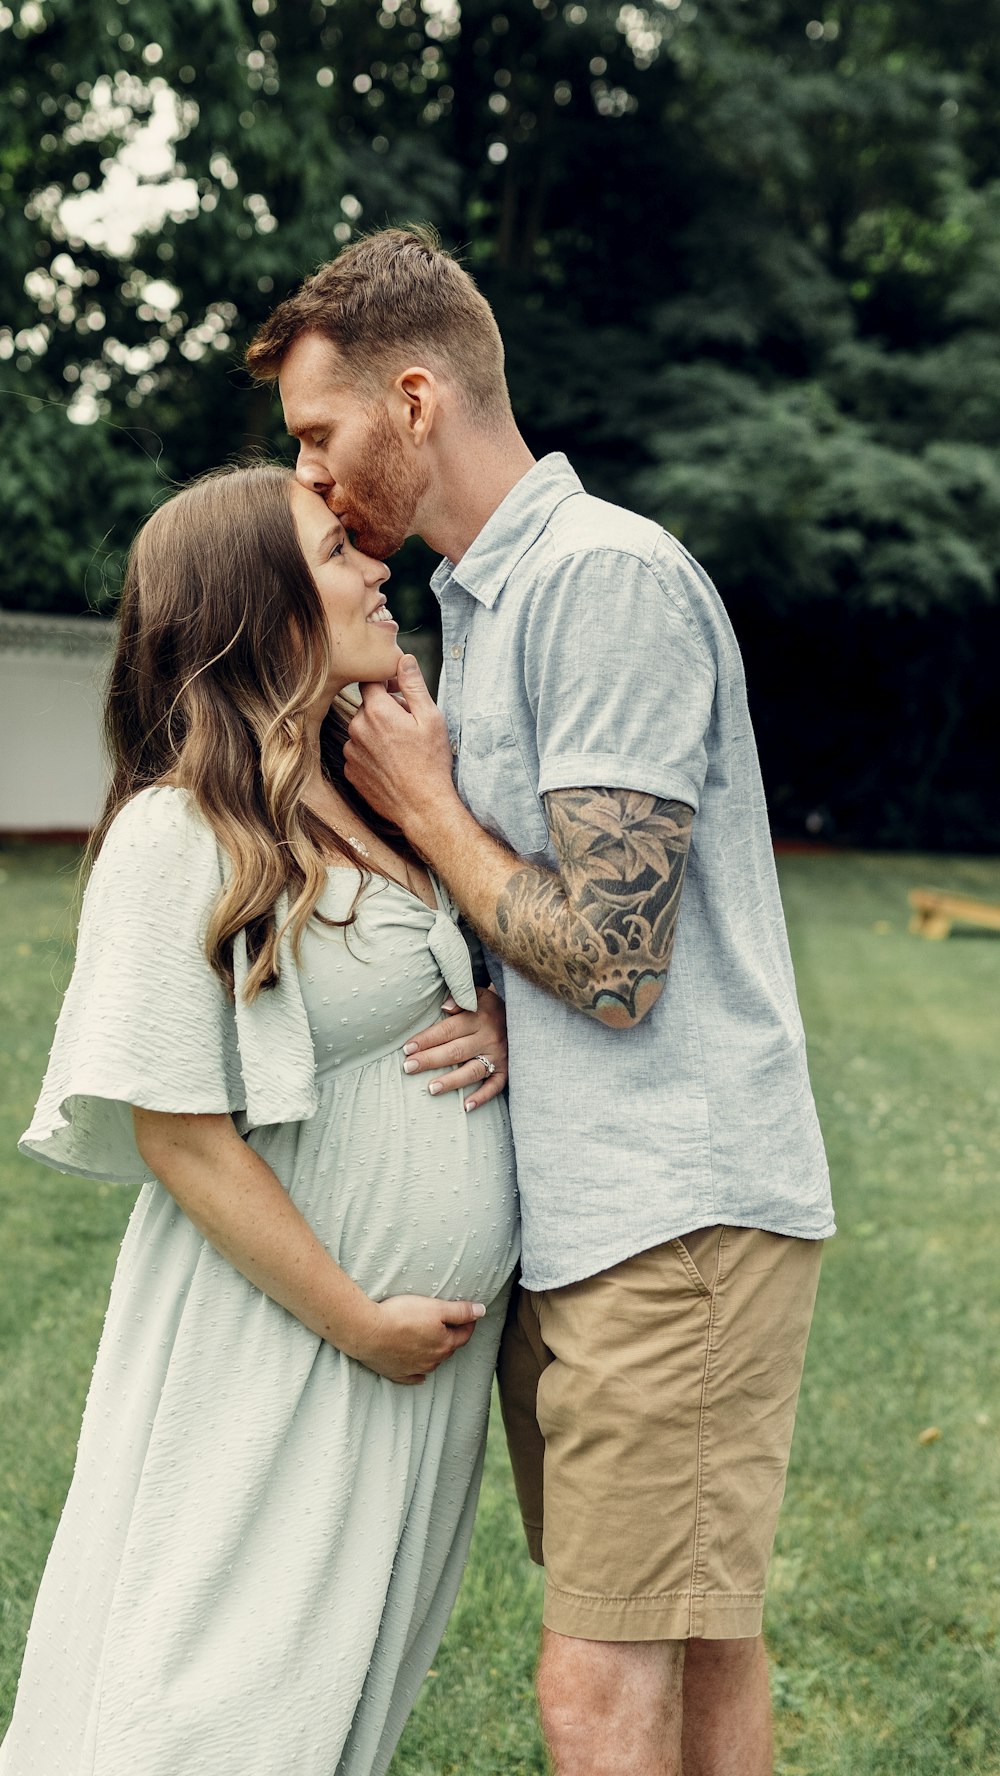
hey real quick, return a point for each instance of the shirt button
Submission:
(454, 748)
(456, 652)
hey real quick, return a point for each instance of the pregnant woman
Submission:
(282, 1445)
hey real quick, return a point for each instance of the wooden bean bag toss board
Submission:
(934, 912)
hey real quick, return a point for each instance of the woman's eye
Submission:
(338, 549)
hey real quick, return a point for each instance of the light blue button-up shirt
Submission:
(584, 647)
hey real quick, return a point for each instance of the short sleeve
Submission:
(620, 678)
(145, 1020)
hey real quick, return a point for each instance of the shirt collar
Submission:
(509, 532)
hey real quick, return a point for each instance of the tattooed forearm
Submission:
(599, 934)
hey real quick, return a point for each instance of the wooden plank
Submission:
(934, 912)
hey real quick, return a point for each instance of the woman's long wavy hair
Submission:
(222, 648)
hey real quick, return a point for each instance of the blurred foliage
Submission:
(747, 265)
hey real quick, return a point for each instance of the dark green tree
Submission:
(746, 264)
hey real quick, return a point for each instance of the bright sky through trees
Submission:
(141, 186)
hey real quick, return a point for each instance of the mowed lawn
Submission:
(885, 1596)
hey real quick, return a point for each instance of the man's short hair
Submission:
(391, 299)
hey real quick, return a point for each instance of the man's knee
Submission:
(608, 1705)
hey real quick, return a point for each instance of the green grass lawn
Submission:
(885, 1596)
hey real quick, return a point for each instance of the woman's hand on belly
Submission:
(236, 1201)
(459, 1041)
(412, 1335)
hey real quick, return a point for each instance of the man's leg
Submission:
(611, 1708)
(655, 1708)
(727, 1709)
(649, 1412)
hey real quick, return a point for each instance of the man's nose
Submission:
(310, 473)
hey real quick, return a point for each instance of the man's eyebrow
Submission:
(308, 425)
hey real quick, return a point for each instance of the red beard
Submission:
(378, 506)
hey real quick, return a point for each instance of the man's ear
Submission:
(418, 392)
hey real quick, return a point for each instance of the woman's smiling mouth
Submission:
(382, 614)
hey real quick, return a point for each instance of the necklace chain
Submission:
(363, 850)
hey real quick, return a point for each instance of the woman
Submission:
(282, 1444)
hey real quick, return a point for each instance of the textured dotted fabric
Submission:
(263, 1539)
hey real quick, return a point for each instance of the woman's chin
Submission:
(380, 670)
(397, 654)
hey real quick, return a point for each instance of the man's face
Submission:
(349, 450)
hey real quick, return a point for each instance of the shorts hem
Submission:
(673, 1615)
(533, 1537)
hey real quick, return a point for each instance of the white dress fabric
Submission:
(263, 1539)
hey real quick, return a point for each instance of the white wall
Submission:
(52, 672)
(51, 757)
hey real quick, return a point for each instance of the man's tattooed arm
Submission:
(598, 930)
(599, 934)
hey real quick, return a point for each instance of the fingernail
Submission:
(411, 1066)
(450, 1005)
(434, 1089)
(470, 1103)
(409, 1048)
(478, 1310)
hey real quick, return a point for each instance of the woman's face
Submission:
(362, 633)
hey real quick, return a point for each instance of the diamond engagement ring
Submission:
(490, 1066)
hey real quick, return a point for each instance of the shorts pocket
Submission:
(700, 1254)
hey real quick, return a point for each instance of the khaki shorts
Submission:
(649, 1414)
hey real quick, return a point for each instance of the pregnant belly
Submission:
(410, 1193)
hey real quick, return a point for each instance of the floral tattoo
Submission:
(600, 933)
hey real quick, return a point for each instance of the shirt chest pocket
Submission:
(494, 782)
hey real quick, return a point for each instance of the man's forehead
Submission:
(313, 355)
(312, 384)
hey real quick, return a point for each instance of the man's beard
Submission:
(379, 505)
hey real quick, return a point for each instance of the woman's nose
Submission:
(373, 571)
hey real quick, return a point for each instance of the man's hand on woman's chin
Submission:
(397, 754)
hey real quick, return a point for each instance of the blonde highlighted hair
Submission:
(222, 649)
(388, 300)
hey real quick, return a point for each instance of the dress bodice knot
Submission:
(451, 953)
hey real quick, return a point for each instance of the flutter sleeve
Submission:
(145, 1020)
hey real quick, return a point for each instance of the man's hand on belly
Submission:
(598, 932)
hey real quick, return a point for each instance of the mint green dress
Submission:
(263, 1539)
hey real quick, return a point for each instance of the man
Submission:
(608, 840)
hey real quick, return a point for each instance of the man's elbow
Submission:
(620, 1005)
